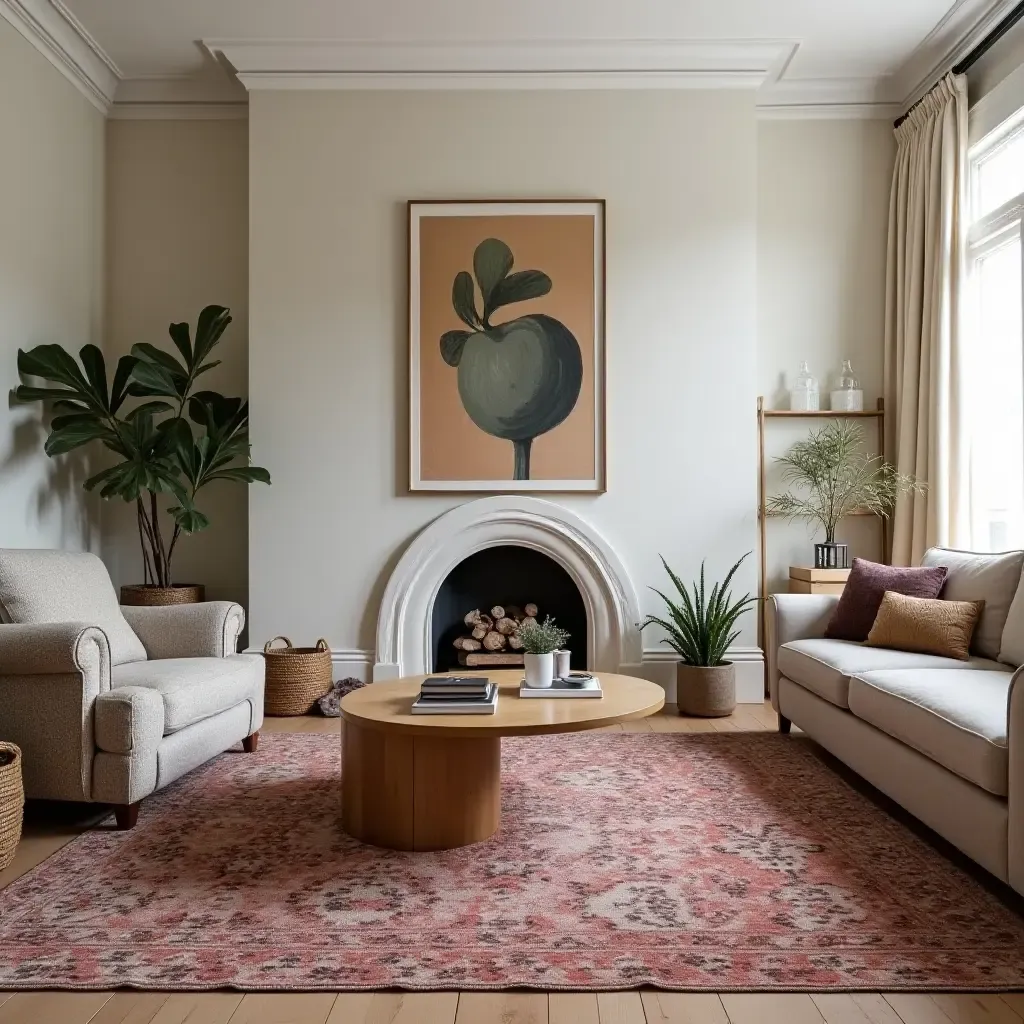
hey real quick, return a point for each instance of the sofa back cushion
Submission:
(868, 581)
(974, 576)
(65, 586)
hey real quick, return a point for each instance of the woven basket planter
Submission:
(146, 596)
(297, 677)
(707, 692)
(12, 802)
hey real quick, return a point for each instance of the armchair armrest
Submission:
(55, 648)
(51, 675)
(1015, 782)
(791, 617)
(207, 630)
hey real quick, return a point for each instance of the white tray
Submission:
(590, 689)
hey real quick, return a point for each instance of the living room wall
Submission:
(329, 176)
(178, 239)
(51, 282)
(822, 224)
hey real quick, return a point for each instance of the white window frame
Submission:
(992, 231)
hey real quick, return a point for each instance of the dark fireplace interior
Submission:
(506, 575)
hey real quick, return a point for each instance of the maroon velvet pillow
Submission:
(855, 614)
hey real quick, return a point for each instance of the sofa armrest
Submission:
(1015, 782)
(791, 617)
(55, 648)
(207, 630)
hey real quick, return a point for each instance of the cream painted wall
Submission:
(177, 208)
(51, 273)
(330, 173)
(823, 205)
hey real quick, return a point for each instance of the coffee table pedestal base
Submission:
(419, 792)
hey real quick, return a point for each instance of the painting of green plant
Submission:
(520, 378)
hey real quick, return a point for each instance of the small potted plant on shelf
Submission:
(540, 640)
(172, 443)
(834, 476)
(700, 629)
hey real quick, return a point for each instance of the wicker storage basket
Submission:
(12, 802)
(143, 595)
(297, 677)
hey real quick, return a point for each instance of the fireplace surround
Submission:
(405, 632)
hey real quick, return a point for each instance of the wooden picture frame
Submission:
(507, 345)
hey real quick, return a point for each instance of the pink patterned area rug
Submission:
(699, 861)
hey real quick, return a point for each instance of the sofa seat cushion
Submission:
(825, 666)
(193, 689)
(958, 719)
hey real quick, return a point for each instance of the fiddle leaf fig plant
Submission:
(173, 440)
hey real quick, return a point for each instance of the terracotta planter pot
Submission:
(147, 595)
(709, 692)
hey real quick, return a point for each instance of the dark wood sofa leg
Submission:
(784, 725)
(250, 743)
(127, 815)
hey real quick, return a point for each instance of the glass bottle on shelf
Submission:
(847, 396)
(803, 397)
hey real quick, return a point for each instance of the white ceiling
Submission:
(853, 52)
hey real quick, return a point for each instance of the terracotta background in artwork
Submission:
(452, 447)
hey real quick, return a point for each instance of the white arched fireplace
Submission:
(404, 627)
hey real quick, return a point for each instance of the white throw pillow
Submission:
(976, 576)
(65, 586)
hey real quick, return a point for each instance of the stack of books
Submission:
(456, 695)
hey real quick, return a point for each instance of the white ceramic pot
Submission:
(562, 659)
(540, 670)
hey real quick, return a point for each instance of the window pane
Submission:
(997, 386)
(999, 175)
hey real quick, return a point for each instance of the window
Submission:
(994, 363)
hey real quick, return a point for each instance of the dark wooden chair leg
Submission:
(250, 743)
(784, 725)
(127, 815)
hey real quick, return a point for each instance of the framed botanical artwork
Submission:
(506, 346)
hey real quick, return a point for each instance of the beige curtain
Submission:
(925, 275)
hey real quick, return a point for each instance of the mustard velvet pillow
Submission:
(925, 625)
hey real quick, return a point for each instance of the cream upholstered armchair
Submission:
(109, 704)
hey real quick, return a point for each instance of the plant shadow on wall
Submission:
(834, 476)
(520, 378)
(55, 487)
(174, 442)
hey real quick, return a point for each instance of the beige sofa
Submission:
(109, 704)
(943, 738)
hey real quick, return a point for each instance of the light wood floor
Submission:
(646, 1007)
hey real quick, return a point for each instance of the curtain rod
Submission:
(978, 52)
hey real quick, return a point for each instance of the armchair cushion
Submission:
(207, 630)
(193, 689)
(38, 587)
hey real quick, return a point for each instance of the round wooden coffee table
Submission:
(433, 782)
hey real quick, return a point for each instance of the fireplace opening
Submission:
(511, 577)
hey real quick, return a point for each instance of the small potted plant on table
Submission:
(700, 630)
(540, 640)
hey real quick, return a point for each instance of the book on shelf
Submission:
(456, 704)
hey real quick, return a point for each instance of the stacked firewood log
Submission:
(495, 631)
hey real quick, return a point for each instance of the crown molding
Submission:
(582, 64)
(202, 111)
(962, 28)
(825, 99)
(57, 34)
(829, 111)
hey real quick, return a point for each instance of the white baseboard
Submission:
(659, 666)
